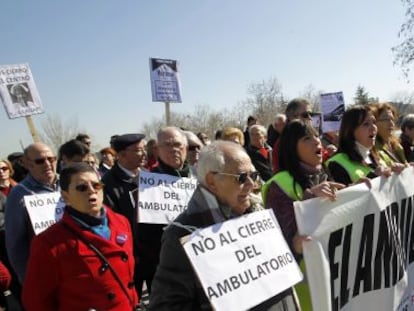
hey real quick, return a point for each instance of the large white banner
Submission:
(44, 210)
(362, 253)
(18, 91)
(165, 80)
(333, 108)
(162, 198)
(242, 262)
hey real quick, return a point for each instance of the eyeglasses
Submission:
(241, 178)
(175, 144)
(91, 163)
(306, 114)
(97, 185)
(385, 120)
(41, 161)
(194, 147)
(4, 168)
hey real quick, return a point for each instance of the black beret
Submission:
(121, 142)
(14, 156)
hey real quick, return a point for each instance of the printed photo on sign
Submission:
(18, 91)
(44, 210)
(242, 262)
(165, 80)
(361, 256)
(333, 108)
(162, 198)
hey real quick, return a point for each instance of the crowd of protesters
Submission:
(98, 257)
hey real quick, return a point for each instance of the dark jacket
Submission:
(176, 286)
(262, 164)
(65, 274)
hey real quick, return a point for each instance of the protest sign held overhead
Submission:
(18, 91)
(163, 197)
(165, 80)
(44, 210)
(361, 256)
(242, 262)
(333, 108)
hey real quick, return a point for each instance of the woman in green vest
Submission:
(356, 159)
(301, 177)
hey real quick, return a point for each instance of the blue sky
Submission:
(90, 58)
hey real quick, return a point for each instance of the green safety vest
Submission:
(354, 169)
(286, 182)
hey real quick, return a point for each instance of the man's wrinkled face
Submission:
(172, 148)
(228, 189)
(41, 163)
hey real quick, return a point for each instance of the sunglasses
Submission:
(41, 161)
(241, 178)
(4, 169)
(97, 185)
(194, 147)
(306, 114)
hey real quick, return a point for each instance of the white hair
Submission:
(213, 158)
(260, 127)
(192, 138)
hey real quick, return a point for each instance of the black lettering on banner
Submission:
(383, 254)
(363, 272)
(202, 245)
(171, 195)
(335, 239)
(146, 180)
(393, 217)
(346, 249)
(226, 238)
(43, 224)
(37, 203)
(408, 226)
(245, 277)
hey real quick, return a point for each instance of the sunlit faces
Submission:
(309, 150)
(4, 171)
(134, 156)
(193, 153)
(257, 138)
(108, 159)
(172, 148)
(41, 163)
(366, 132)
(385, 124)
(227, 189)
(89, 201)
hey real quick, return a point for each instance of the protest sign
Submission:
(44, 210)
(18, 91)
(361, 256)
(163, 197)
(165, 80)
(333, 108)
(242, 262)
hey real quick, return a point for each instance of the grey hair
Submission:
(279, 116)
(170, 129)
(213, 158)
(261, 128)
(191, 137)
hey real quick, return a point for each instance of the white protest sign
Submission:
(18, 91)
(44, 210)
(333, 108)
(165, 80)
(242, 262)
(361, 256)
(163, 197)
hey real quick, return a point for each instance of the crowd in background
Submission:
(286, 161)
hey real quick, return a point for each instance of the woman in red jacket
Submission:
(64, 272)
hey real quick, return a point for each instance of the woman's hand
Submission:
(298, 242)
(383, 171)
(327, 189)
(365, 180)
(397, 168)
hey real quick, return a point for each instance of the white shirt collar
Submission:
(364, 152)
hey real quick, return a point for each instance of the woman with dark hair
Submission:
(387, 145)
(356, 160)
(85, 261)
(301, 177)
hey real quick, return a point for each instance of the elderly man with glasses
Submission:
(40, 161)
(227, 178)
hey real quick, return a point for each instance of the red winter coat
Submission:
(65, 274)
